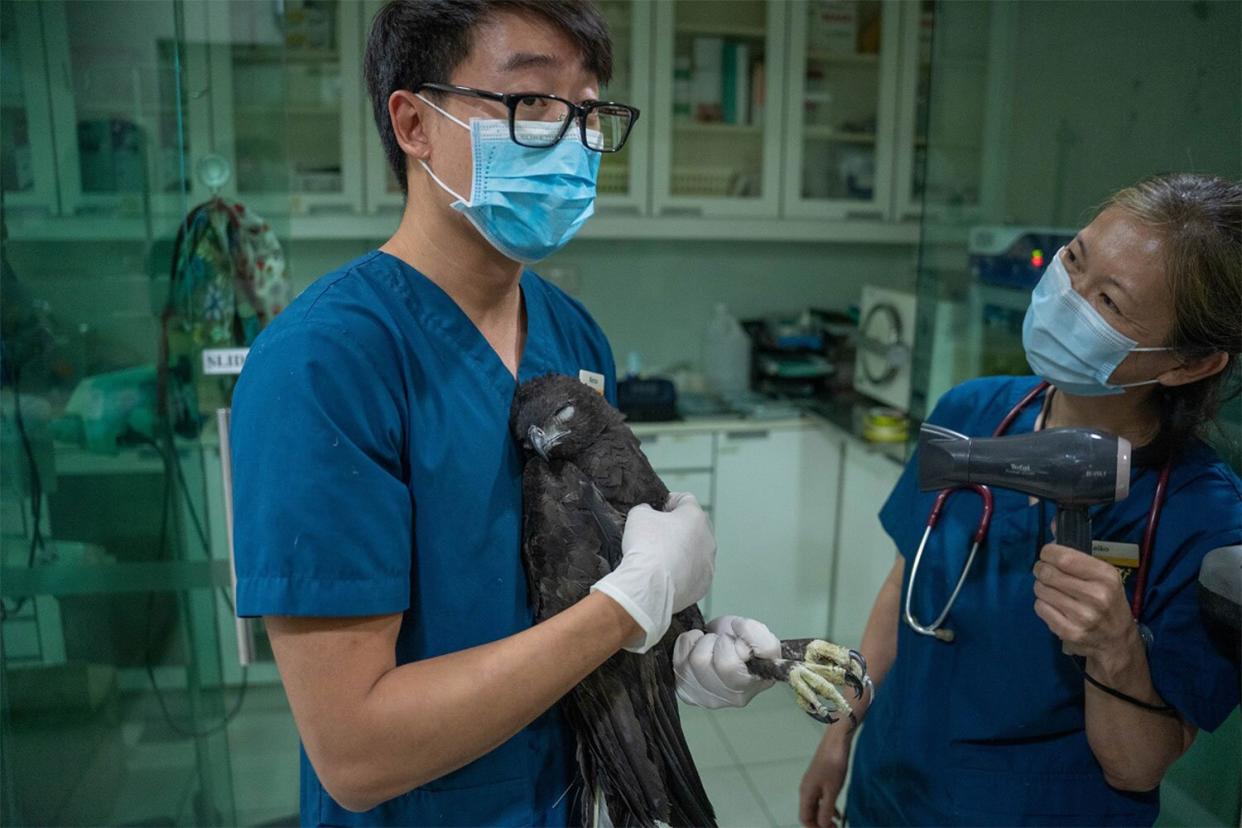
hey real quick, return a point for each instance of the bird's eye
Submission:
(565, 414)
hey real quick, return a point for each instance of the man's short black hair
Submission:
(423, 41)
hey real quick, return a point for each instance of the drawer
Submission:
(697, 483)
(678, 451)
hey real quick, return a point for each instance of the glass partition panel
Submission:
(121, 698)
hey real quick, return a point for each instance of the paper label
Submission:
(217, 361)
(1120, 555)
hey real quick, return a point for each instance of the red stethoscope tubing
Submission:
(985, 520)
(1149, 538)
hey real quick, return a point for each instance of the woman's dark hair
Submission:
(1200, 219)
(422, 41)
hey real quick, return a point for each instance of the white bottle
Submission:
(726, 354)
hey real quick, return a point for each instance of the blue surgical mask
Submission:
(1068, 343)
(527, 202)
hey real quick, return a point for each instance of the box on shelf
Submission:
(707, 78)
(832, 26)
(704, 181)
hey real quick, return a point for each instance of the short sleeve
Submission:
(901, 515)
(895, 514)
(322, 515)
(1192, 668)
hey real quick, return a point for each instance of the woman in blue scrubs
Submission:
(1137, 325)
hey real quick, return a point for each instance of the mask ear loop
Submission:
(435, 177)
(1148, 350)
(443, 112)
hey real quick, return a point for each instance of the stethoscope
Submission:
(935, 628)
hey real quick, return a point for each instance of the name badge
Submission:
(592, 380)
(1120, 555)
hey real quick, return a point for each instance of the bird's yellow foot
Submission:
(820, 670)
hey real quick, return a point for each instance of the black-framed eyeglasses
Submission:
(604, 126)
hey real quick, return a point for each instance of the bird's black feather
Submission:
(631, 747)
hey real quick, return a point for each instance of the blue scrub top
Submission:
(374, 473)
(989, 730)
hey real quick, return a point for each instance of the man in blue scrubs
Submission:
(377, 489)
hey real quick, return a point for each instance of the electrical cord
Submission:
(37, 541)
(172, 480)
(1081, 663)
(1164, 709)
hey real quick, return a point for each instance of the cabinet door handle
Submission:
(614, 210)
(746, 435)
(681, 211)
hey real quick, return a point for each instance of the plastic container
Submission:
(726, 354)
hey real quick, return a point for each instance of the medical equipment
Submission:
(885, 340)
(1005, 265)
(1073, 467)
(1220, 587)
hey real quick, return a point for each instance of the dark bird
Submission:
(583, 474)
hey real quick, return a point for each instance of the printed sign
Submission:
(223, 361)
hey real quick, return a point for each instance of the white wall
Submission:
(655, 297)
(1107, 93)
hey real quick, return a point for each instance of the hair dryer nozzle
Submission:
(942, 454)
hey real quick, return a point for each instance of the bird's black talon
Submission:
(826, 718)
(853, 723)
(858, 659)
(856, 683)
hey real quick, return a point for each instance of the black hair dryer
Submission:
(1073, 467)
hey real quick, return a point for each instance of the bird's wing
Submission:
(570, 535)
(567, 537)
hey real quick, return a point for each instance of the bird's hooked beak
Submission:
(543, 442)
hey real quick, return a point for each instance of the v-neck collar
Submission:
(439, 311)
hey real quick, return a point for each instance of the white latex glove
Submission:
(711, 666)
(667, 563)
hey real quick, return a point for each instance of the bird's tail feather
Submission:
(689, 804)
(614, 755)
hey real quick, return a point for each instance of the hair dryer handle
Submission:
(1074, 528)
(1074, 531)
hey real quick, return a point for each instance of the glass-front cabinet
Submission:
(717, 98)
(623, 179)
(947, 172)
(290, 84)
(383, 191)
(119, 126)
(28, 165)
(841, 108)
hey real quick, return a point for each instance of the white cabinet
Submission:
(775, 509)
(677, 451)
(812, 139)
(120, 121)
(624, 178)
(717, 101)
(287, 96)
(28, 166)
(383, 191)
(842, 112)
(684, 461)
(865, 553)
